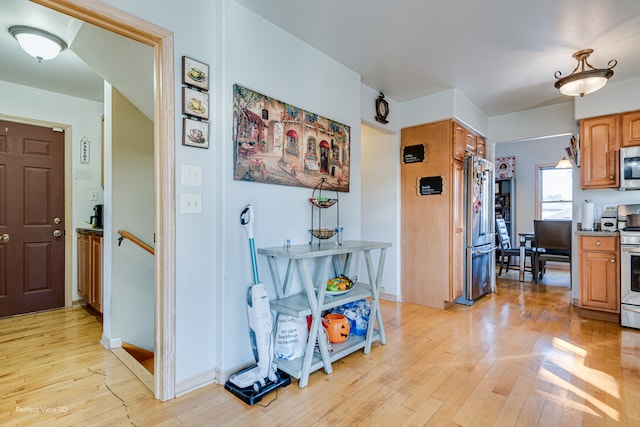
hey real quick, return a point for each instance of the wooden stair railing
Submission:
(126, 235)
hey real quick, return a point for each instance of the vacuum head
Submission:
(252, 395)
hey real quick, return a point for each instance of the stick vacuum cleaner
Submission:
(253, 383)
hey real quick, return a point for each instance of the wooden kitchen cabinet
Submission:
(465, 142)
(458, 249)
(630, 129)
(84, 265)
(471, 143)
(90, 268)
(599, 148)
(432, 226)
(599, 276)
(481, 147)
(459, 135)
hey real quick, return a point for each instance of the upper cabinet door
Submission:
(481, 148)
(459, 141)
(630, 129)
(599, 149)
(470, 143)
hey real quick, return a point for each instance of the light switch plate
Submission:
(192, 175)
(191, 203)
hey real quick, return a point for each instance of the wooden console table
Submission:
(314, 299)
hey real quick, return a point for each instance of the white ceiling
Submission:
(93, 56)
(501, 54)
(66, 74)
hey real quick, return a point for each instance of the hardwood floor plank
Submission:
(519, 357)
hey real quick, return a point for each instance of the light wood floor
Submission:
(520, 357)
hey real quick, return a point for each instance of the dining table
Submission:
(528, 236)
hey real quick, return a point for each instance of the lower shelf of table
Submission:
(340, 350)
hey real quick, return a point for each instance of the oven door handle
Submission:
(630, 249)
(633, 309)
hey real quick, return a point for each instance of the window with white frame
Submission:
(555, 192)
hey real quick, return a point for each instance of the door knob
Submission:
(4, 238)
(57, 233)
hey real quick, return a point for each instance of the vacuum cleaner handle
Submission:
(246, 220)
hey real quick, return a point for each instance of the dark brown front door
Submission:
(31, 218)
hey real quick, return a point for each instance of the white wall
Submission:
(467, 113)
(536, 123)
(261, 56)
(368, 98)
(381, 201)
(132, 210)
(82, 119)
(613, 98)
(441, 106)
(198, 237)
(529, 154)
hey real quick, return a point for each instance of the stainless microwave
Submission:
(630, 168)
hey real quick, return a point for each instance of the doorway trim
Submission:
(114, 20)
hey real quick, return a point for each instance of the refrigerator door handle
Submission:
(488, 251)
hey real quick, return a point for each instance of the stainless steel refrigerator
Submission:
(479, 229)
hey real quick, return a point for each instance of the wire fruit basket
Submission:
(319, 203)
(323, 233)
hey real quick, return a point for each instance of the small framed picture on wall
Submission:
(505, 167)
(195, 103)
(195, 133)
(195, 73)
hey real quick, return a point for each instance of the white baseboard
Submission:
(390, 297)
(110, 343)
(197, 381)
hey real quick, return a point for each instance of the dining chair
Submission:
(506, 250)
(552, 243)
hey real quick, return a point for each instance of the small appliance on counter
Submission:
(96, 219)
(623, 212)
(609, 220)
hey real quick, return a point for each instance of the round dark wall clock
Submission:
(382, 109)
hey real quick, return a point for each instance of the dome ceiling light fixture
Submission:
(40, 44)
(587, 80)
(564, 163)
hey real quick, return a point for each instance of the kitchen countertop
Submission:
(596, 233)
(96, 231)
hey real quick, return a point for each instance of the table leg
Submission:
(523, 244)
(316, 320)
(282, 288)
(376, 314)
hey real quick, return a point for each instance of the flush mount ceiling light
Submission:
(587, 80)
(40, 44)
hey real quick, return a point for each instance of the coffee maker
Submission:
(96, 218)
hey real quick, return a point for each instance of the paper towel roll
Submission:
(587, 216)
